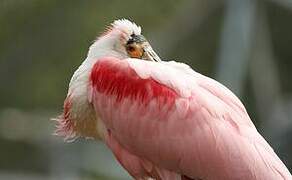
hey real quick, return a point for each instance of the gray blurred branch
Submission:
(236, 41)
(266, 81)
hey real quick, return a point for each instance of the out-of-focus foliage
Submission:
(42, 42)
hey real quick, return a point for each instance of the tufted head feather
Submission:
(122, 27)
(126, 26)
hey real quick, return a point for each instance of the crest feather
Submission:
(126, 26)
(122, 25)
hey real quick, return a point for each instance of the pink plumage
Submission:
(163, 120)
(210, 137)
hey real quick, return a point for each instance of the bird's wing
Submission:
(214, 88)
(180, 121)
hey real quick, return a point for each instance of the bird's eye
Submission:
(131, 48)
(135, 50)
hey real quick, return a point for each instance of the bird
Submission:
(161, 119)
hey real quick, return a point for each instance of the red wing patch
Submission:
(113, 76)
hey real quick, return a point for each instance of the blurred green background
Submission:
(245, 45)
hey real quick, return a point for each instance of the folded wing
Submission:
(175, 119)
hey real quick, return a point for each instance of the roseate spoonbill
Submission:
(162, 120)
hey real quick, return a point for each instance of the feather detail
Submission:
(75, 122)
(117, 79)
(65, 126)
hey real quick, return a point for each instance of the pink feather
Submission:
(167, 122)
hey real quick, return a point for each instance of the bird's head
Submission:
(123, 39)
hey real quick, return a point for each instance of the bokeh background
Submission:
(244, 44)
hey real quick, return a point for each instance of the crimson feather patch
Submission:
(113, 76)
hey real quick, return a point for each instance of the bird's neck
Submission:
(108, 45)
(81, 110)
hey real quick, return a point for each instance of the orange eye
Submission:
(134, 51)
(131, 48)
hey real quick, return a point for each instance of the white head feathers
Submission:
(113, 40)
(126, 26)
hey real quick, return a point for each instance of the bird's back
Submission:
(181, 121)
